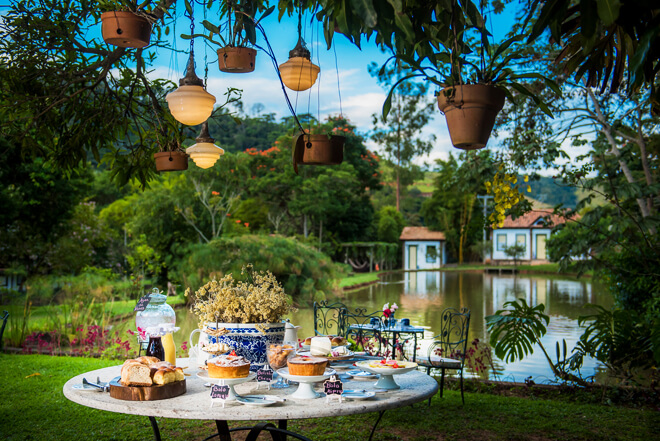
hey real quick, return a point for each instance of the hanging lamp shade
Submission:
(299, 73)
(205, 153)
(190, 104)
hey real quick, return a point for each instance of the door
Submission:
(412, 257)
(540, 247)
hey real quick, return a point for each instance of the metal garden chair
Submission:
(364, 329)
(4, 318)
(448, 349)
(329, 318)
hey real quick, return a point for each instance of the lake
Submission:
(422, 296)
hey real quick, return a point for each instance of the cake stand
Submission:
(305, 389)
(231, 382)
(386, 380)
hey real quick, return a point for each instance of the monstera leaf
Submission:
(515, 331)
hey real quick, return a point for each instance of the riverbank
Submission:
(360, 280)
(34, 406)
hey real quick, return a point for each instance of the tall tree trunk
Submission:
(305, 230)
(320, 234)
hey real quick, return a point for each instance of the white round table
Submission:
(196, 403)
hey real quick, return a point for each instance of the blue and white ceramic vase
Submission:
(249, 340)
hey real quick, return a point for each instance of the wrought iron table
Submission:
(393, 331)
(196, 403)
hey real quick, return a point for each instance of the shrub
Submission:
(302, 271)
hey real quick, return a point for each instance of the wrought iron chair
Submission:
(329, 318)
(4, 318)
(368, 340)
(448, 349)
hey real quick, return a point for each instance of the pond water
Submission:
(422, 296)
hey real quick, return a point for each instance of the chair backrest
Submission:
(453, 338)
(365, 340)
(4, 318)
(329, 318)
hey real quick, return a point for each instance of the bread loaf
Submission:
(145, 359)
(134, 373)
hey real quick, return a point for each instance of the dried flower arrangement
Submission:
(261, 300)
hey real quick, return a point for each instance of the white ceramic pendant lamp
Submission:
(205, 153)
(299, 73)
(190, 104)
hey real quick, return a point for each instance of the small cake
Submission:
(320, 346)
(307, 366)
(228, 366)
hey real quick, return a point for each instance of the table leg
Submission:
(415, 349)
(380, 416)
(154, 426)
(223, 430)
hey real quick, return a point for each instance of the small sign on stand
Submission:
(333, 387)
(142, 303)
(219, 392)
(264, 376)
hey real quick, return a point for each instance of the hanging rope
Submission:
(341, 111)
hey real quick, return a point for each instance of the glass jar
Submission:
(157, 313)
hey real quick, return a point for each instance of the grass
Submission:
(359, 279)
(35, 407)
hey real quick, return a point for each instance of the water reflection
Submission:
(422, 296)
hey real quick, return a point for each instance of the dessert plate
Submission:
(345, 356)
(256, 400)
(362, 375)
(386, 380)
(358, 395)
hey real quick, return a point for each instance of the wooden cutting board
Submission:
(146, 393)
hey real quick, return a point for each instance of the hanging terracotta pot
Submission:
(171, 161)
(125, 29)
(236, 59)
(470, 110)
(318, 150)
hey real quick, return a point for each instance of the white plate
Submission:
(345, 356)
(362, 375)
(358, 395)
(409, 366)
(255, 400)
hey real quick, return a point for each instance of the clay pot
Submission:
(171, 161)
(470, 110)
(236, 59)
(318, 150)
(125, 29)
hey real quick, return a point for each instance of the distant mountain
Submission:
(549, 192)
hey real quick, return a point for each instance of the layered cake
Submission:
(228, 366)
(320, 346)
(307, 366)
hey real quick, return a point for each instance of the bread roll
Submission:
(164, 375)
(145, 359)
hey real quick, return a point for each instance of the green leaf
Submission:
(210, 27)
(188, 8)
(365, 9)
(588, 20)
(387, 105)
(608, 11)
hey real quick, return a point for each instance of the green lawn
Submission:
(359, 279)
(34, 407)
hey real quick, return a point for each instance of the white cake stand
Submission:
(305, 389)
(386, 380)
(231, 382)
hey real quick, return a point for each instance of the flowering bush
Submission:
(388, 311)
(92, 341)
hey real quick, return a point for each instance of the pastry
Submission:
(228, 366)
(320, 346)
(394, 364)
(277, 355)
(145, 359)
(134, 373)
(338, 341)
(307, 366)
(216, 348)
(165, 367)
(308, 341)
